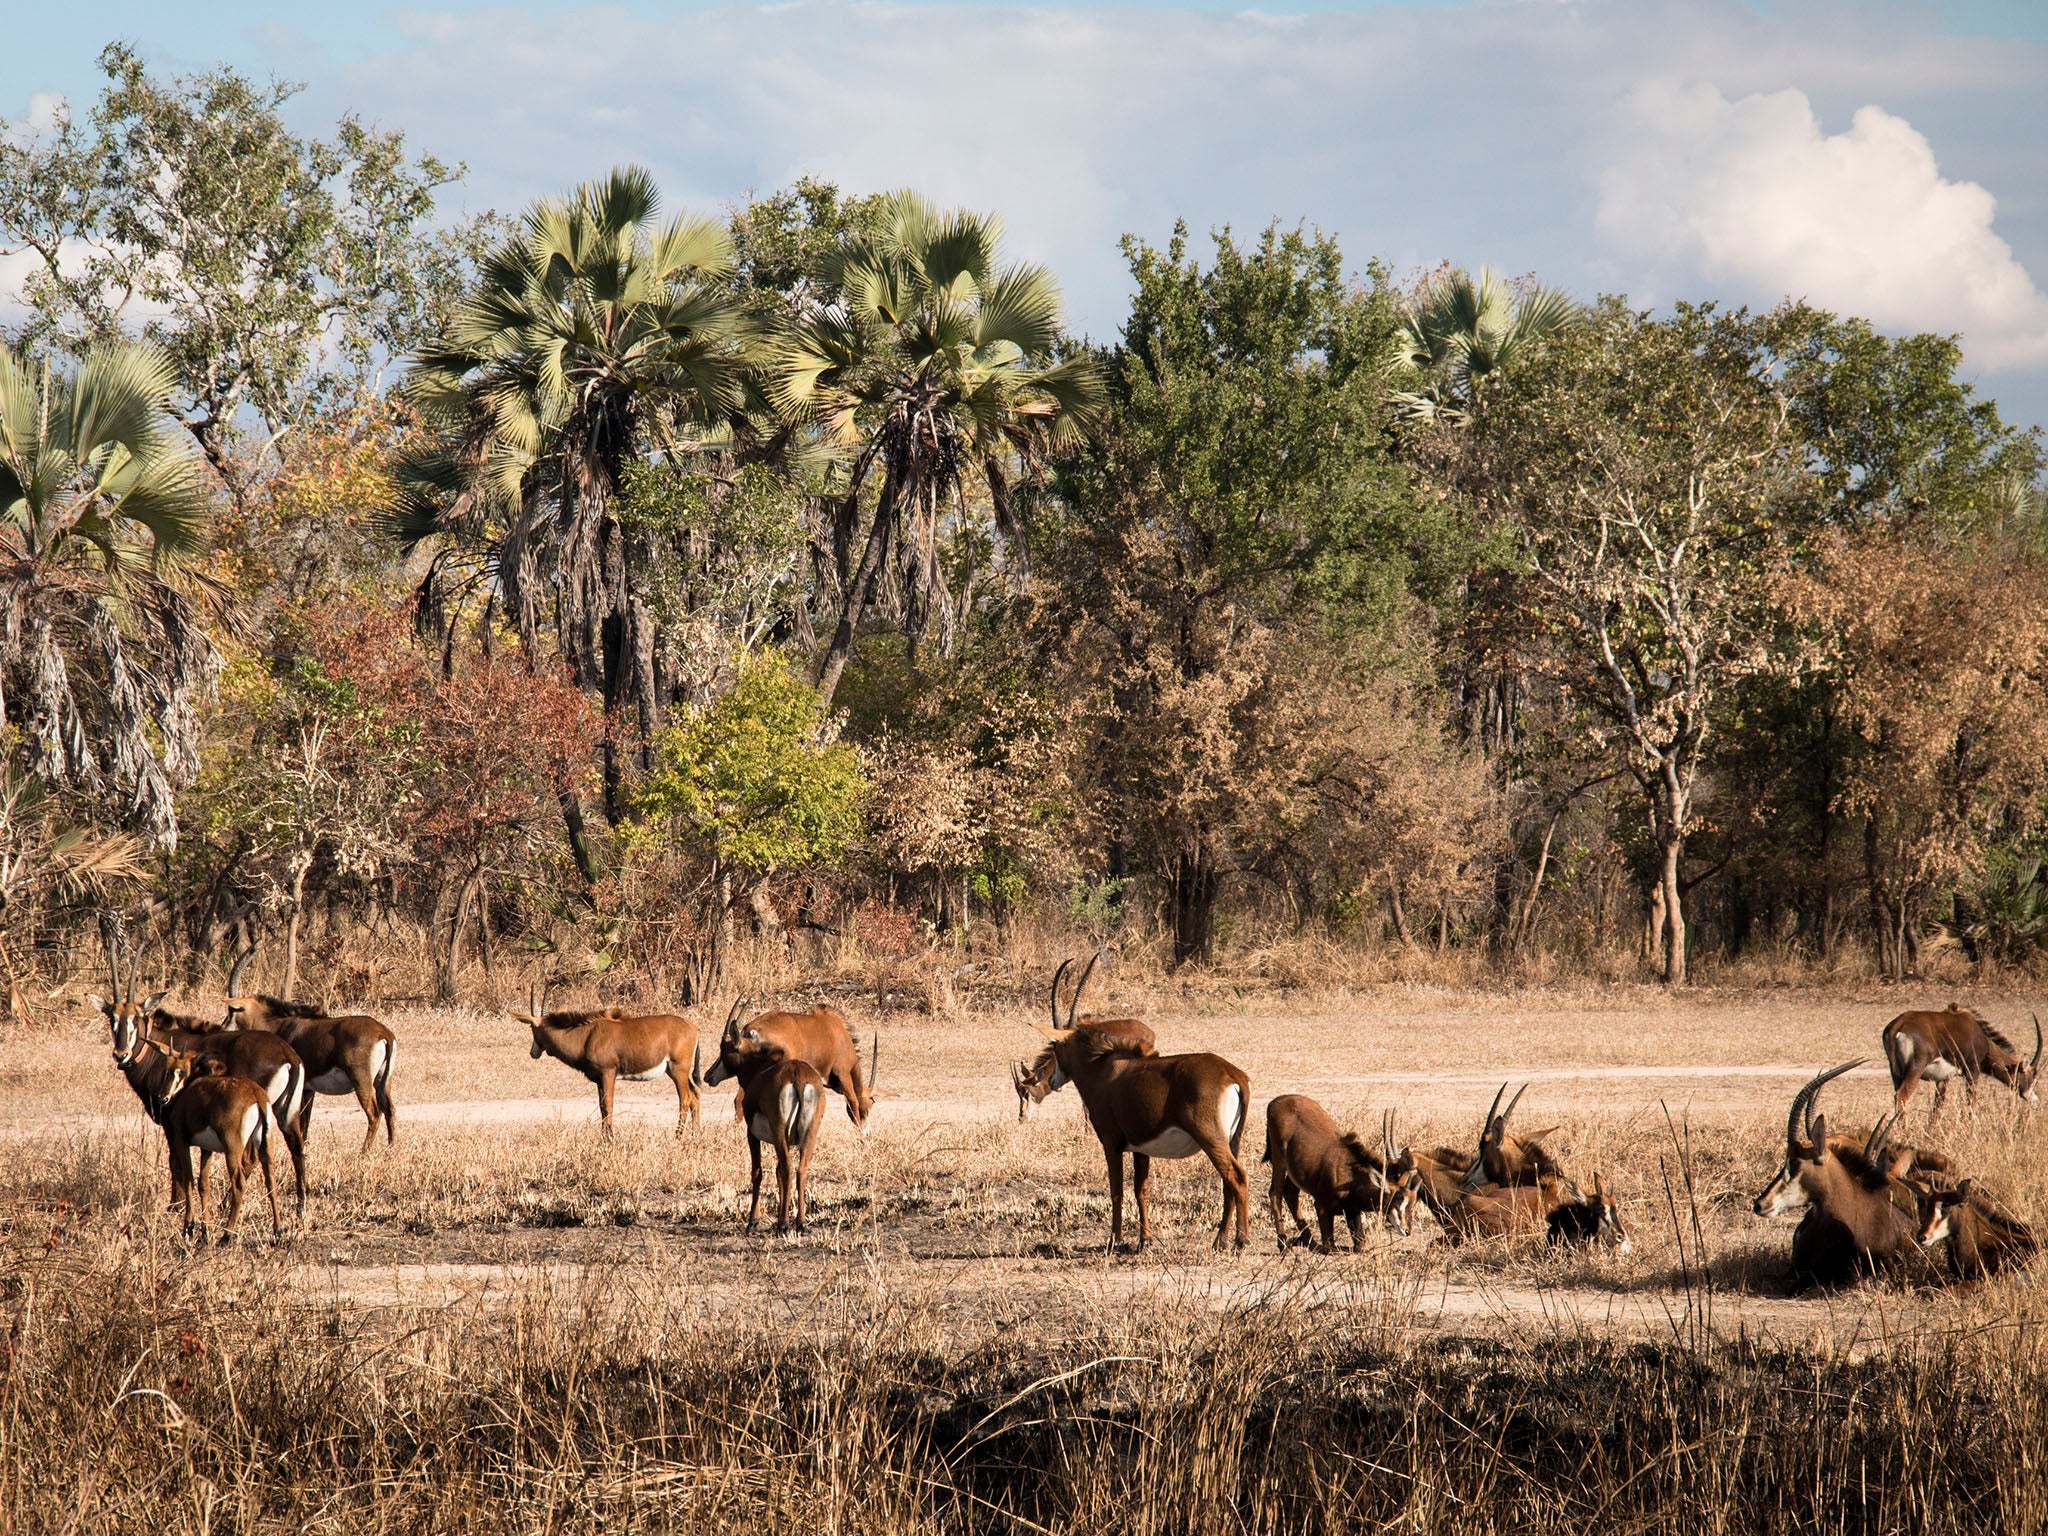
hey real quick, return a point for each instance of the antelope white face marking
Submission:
(1230, 1110)
(1173, 1142)
(335, 1081)
(1790, 1196)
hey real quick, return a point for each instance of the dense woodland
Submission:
(613, 583)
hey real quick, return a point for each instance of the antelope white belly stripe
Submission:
(1174, 1142)
(640, 1077)
(1939, 1070)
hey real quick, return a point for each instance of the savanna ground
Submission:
(506, 1322)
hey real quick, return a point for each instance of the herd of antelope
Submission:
(1869, 1202)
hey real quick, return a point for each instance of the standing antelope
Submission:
(818, 1036)
(1852, 1226)
(1157, 1106)
(1596, 1219)
(350, 1054)
(1034, 1082)
(608, 1045)
(1339, 1172)
(1955, 1042)
(1982, 1239)
(197, 1106)
(258, 1055)
(1510, 1160)
(780, 1098)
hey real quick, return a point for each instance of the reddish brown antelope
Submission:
(352, 1053)
(1852, 1226)
(1034, 1081)
(1907, 1170)
(1955, 1042)
(819, 1036)
(197, 1106)
(607, 1045)
(781, 1097)
(1982, 1239)
(1595, 1220)
(1338, 1171)
(1510, 1160)
(1158, 1106)
(1493, 1210)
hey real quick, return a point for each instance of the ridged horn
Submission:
(732, 1015)
(1074, 1004)
(874, 1060)
(1487, 1128)
(2037, 1040)
(1802, 1101)
(1057, 977)
(1509, 1113)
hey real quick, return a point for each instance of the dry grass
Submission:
(508, 1323)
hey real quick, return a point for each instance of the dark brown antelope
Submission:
(1509, 1160)
(1158, 1106)
(1982, 1239)
(781, 1097)
(1852, 1226)
(1907, 1169)
(1955, 1042)
(1034, 1081)
(606, 1045)
(1436, 1175)
(1309, 1153)
(352, 1053)
(1594, 1220)
(819, 1036)
(198, 1107)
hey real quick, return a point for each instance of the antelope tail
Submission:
(697, 1064)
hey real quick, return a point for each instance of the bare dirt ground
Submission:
(501, 1188)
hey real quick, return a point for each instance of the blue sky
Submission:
(1885, 159)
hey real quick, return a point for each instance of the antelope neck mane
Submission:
(1995, 1037)
(1098, 1043)
(288, 1010)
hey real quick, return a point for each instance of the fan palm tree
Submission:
(102, 660)
(927, 363)
(1464, 330)
(600, 332)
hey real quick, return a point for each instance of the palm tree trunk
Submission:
(833, 662)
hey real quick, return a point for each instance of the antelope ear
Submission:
(1820, 1131)
(1053, 1034)
(99, 1003)
(527, 1019)
(751, 1033)
(149, 1003)
(239, 1004)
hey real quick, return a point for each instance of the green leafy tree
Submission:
(750, 785)
(103, 658)
(272, 269)
(930, 365)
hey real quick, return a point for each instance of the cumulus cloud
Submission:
(1756, 194)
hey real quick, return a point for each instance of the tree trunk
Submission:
(579, 836)
(1400, 913)
(450, 966)
(291, 938)
(833, 662)
(1674, 914)
(1191, 892)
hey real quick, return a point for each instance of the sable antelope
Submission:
(349, 1054)
(1982, 1239)
(1955, 1042)
(1907, 1169)
(1596, 1219)
(196, 1105)
(1510, 1160)
(780, 1097)
(263, 1058)
(819, 1036)
(1034, 1082)
(607, 1045)
(1852, 1226)
(1338, 1171)
(1157, 1106)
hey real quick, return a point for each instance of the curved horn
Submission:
(109, 930)
(2037, 1040)
(1508, 1113)
(1074, 1003)
(1057, 977)
(1880, 1133)
(1387, 1135)
(1802, 1101)
(1486, 1129)
(874, 1060)
(732, 1014)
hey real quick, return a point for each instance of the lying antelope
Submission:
(780, 1098)
(1907, 1169)
(1596, 1219)
(1982, 1239)
(353, 1053)
(196, 1105)
(818, 1036)
(1033, 1082)
(1495, 1210)
(607, 1045)
(1955, 1042)
(1157, 1106)
(1510, 1160)
(1853, 1226)
(1337, 1170)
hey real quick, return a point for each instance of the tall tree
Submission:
(928, 363)
(103, 659)
(272, 269)
(1459, 332)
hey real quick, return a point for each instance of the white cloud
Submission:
(1756, 194)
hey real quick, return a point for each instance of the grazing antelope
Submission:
(607, 1045)
(1157, 1106)
(1853, 1225)
(1339, 1172)
(1510, 1160)
(196, 1105)
(353, 1053)
(819, 1036)
(781, 1096)
(1955, 1042)
(1034, 1082)
(1596, 1219)
(1982, 1239)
